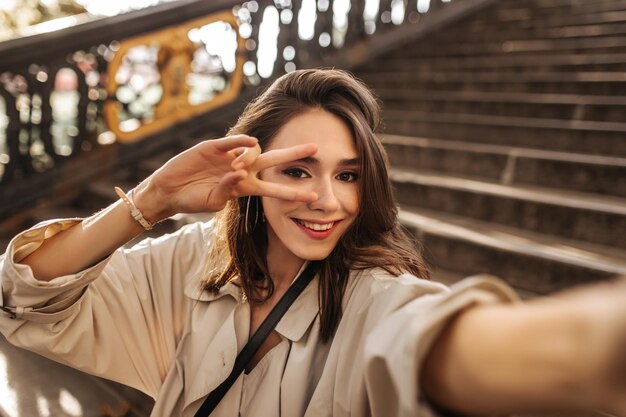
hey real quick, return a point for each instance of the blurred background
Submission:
(505, 124)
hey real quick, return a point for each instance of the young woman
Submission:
(301, 177)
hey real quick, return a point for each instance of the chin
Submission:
(316, 255)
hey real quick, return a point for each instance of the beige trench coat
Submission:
(138, 318)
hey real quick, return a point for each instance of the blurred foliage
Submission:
(18, 14)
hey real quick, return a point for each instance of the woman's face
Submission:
(310, 231)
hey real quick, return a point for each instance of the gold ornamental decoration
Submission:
(172, 54)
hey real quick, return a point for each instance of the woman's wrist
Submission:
(602, 317)
(500, 359)
(563, 346)
(153, 208)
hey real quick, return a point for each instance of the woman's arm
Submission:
(564, 353)
(122, 318)
(83, 244)
(201, 179)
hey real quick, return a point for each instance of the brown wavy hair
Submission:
(375, 239)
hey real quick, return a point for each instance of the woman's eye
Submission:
(296, 173)
(347, 176)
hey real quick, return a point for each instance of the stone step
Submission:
(438, 274)
(589, 218)
(596, 138)
(602, 84)
(528, 261)
(540, 106)
(509, 165)
(556, 19)
(501, 97)
(556, 7)
(522, 20)
(555, 3)
(494, 77)
(557, 62)
(533, 17)
(587, 45)
(551, 3)
(486, 33)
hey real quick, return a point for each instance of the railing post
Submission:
(83, 103)
(323, 24)
(12, 136)
(355, 22)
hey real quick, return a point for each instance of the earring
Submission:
(247, 214)
(256, 215)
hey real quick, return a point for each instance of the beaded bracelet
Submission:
(134, 211)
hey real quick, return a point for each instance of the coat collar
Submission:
(301, 314)
(293, 324)
(194, 291)
(217, 356)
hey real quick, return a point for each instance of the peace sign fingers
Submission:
(283, 192)
(246, 156)
(229, 143)
(253, 161)
(281, 156)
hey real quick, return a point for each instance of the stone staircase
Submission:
(506, 134)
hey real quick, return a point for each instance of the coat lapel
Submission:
(219, 330)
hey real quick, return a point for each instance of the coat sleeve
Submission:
(120, 319)
(388, 326)
(396, 347)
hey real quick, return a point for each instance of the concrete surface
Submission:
(33, 386)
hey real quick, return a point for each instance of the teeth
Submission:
(315, 226)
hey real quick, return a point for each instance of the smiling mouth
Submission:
(318, 227)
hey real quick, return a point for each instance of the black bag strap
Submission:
(258, 338)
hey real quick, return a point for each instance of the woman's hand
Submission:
(204, 177)
(604, 338)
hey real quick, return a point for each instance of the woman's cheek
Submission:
(349, 195)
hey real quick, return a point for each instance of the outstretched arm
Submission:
(562, 353)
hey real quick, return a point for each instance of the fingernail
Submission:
(238, 165)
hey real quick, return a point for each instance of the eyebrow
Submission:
(344, 162)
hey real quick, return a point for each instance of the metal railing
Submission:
(70, 98)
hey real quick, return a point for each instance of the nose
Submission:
(327, 197)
